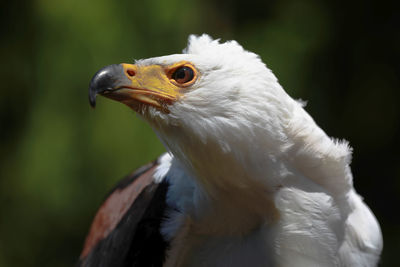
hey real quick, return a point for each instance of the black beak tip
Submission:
(92, 100)
(106, 79)
(93, 91)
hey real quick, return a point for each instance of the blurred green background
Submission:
(59, 157)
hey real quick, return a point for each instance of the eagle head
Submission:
(213, 93)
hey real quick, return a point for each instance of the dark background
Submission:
(59, 157)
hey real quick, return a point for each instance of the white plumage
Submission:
(254, 180)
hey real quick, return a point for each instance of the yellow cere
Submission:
(156, 80)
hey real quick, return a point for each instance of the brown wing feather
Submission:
(130, 198)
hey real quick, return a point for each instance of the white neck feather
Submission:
(224, 158)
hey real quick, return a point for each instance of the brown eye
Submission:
(183, 75)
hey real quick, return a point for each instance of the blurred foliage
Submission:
(59, 157)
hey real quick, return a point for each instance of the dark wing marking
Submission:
(126, 228)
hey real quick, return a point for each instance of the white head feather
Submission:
(238, 107)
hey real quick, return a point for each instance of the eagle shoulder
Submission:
(126, 228)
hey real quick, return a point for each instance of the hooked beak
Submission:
(135, 86)
(105, 80)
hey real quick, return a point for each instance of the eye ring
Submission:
(183, 75)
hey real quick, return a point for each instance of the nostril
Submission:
(131, 72)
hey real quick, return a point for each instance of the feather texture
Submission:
(253, 179)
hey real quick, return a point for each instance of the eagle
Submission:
(249, 178)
